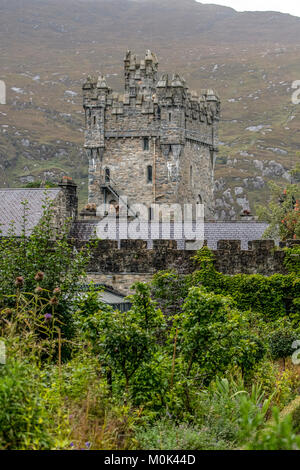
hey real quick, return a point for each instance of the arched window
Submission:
(146, 144)
(149, 174)
(107, 175)
(199, 201)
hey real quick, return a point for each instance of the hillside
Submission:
(48, 47)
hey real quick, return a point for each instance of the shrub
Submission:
(166, 435)
(279, 435)
(24, 420)
(280, 342)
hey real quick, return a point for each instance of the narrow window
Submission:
(191, 175)
(149, 174)
(146, 144)
(150, 213)
(95, 120)
(107, 175)
(158, 113)
(170, 117)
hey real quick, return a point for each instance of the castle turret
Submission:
(155, 143)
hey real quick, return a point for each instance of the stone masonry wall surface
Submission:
(133, 261)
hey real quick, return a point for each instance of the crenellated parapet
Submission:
(156, 141)
(133, 256)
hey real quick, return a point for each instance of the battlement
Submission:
(166, 134)
(133, 257)
(144, 91)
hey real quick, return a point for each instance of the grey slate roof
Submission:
(11, 208)
(244, 231)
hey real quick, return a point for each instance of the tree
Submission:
(214, 333)
(282, 213)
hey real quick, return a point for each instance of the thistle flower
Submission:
(39, 276)
(53, 301)
(19, 282)
(57, 291)
(48, 316)
(38, 290)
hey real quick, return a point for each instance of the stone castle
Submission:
(155, 143)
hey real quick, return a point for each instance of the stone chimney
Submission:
(71, 199)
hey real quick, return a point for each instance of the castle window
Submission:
(158, 113)
(191, 176)
(149, 174)
(170, 117)
(150, 213)
(146, 144)
(107, 175)
(95, 120)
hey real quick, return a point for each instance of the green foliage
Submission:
(213, 333)
(45, 260)
(282, 213)
(24, 420)
(232, 412)
(273, 296)
(41, 184)
(169, 289)
(281, 341)
(292, 260)
(278, 436)
(166, 435)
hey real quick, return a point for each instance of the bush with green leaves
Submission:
(214, 334)
(124, 341)
(42, 260)
(24, 419)
(224, 405)
(278, 435)
(273, 296)
(166, 435)
(281, 341)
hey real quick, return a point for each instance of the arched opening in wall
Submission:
(114, 207)
(149, 174)
(107, 175)
(199, 199)
(146, 144)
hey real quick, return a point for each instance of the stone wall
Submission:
(119, 268)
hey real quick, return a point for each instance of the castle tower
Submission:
(155, 143)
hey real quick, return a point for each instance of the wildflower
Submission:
(57, 291)
(38, 290)
(53, 301)
(48, 316)
(19, 282)
(72, 444)
(39, 276)
(87, 445)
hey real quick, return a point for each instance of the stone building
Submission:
(154, 143)
(62, 200)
